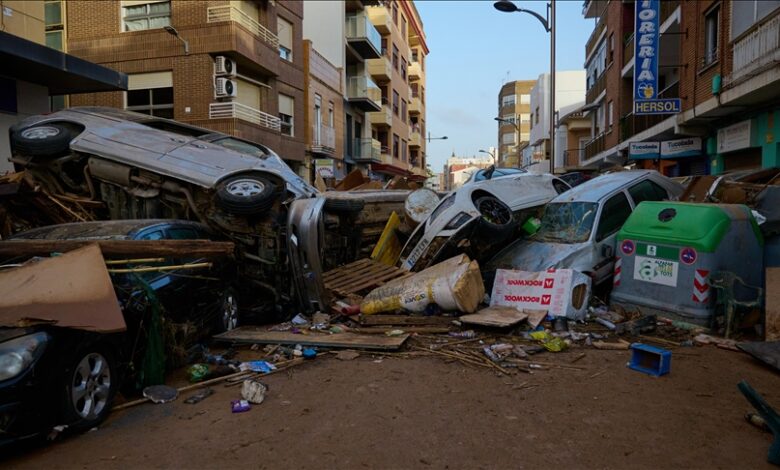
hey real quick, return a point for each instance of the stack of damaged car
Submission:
(579, 227)
(126, 165)
(479, 217)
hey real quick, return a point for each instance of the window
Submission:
(508, 138)
(151, 15)
(609, 113)
(330, 114)
(395, 102)
(525, 118)
(404, 150)
(611, 47)
(284, 29)
(395, 14)
(508, 118)
(403, 26)
(525, 99)
(711, 21)
(54, 24)
(155, 235)
(396, 144)
(384, 47)
(317, 119)
(647, 191)
(508, 100)
(415, 55)
(746, 13)
(596, 66)
(403, 68)
(286, 107)
(150, 93)
(536, 116)
(181, 233)
(614, 213)
(403, 110)
(525, 136)
(395, 57)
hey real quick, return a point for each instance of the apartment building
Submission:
(719, 58)
(31, 72)
(572, 134)
(514, 121)
(569, 95)
(457, 170)
(235, 66)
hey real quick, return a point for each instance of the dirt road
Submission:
(426, 413)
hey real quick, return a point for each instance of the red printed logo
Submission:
(546, 299)
(550, 270)
(548, 283)
(524, 282)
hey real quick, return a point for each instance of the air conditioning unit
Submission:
(225, 88)
(224, 66)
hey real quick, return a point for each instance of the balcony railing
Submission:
(358, 27)
(231, 13)
(667, 8)
(573, 157)
(368, 150)
(595, 90)
(415, 70)
(628, 49)
(386, 156)
(631, 124)
(363, 88)
(323, 141)
(415, 105)
(234, 109)
(595, 146)
(757, 49)
(594, 36)
(384, 117)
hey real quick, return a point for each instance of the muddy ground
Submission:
(423, 412)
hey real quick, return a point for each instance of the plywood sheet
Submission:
(772, 322)
(500, 317)
(256, 335)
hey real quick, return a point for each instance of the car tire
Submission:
(45, 141)
(344, 206)
(227, 316)
(246, 195)
(89, 388)
(496, 219)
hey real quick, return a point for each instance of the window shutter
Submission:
(143, 81)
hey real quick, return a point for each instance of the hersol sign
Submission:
(545, 290)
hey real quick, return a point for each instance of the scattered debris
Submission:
(650, 360)
(253, 391)
(160, 393)
(240, 406)
(347, 355)
(770, 416)
(563, 292)
(199, 396)
(252, 335)
(501, 317)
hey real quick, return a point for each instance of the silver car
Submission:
(479, 217)
(579, 228)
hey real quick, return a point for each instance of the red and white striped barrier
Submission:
(618, 269)
(701, 290)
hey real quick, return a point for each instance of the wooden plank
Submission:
(370, 320)
(772, 318)
(346, 268)
(497, 316)
(379, 330)
(369, 271)
(256, 335)
(374, 281)
(352, 272)
(126, 248)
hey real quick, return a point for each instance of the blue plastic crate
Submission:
(650, 359)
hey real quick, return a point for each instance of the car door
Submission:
(614, 212)
(647, 190)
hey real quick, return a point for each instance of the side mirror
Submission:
(489, 172)
(607, 251)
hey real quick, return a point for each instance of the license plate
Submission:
(418, 251)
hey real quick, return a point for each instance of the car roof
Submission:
(602, 186)
(103, 230)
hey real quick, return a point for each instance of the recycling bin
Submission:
(667, 252)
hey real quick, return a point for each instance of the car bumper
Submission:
(25, 407)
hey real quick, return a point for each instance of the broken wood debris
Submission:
(146, 248)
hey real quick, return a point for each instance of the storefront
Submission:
(748, 144)
(679, 157)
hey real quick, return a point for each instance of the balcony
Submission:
(594, 36)
(667, 8)
(573, 157)
(323, 140)
(631, 124)
(415, 138)
(386, 156)
(381, 19)
(363, 37)
(380, 69)
(757, 49)
(382, 118)
(415, 105)
(363, 94)
(367, 150)
(230, 13)
(595, 90)
(628, 49)
(595, 146)
(415, 71)
(234, 109)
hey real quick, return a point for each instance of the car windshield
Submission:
(567, 222)
(241, 147)
(480, 175)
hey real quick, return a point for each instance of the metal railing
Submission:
(363, 87)
(324, 139)
(595, 90)
(231, 13)
(631, 124)
(591, 43)
(595, 146)
(359, 27)
(368, 149)
(234, 109)
(573, 157)
(757, 49)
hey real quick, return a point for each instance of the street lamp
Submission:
(517, 142)
(429, 138)
(507, 6)
(172, 31)
(489, 153)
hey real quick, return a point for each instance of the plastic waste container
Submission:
(667, 252)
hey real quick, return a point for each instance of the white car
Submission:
(478, 217)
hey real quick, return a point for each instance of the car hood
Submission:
(539, 256)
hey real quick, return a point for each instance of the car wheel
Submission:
(344, 206)
(47, 140)
(90, 386)
(246, 195)
(228, 311)
(495, 217)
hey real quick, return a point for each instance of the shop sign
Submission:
(643, 150)
(646, 42)
(688, 147)
(324, 167)
(734, 137)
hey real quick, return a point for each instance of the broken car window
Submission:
(567, 222)
(614, 214)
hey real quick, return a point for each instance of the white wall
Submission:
(569, 91)
(323, 24)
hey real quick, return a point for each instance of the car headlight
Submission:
(443, 206)
(458, 221)
(18, 354)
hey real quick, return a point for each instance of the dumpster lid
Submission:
(700, 226)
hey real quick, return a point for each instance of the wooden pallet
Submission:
(361, 276)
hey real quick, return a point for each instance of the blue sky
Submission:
(474, 50)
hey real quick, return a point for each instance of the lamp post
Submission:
(517, 129)
(172, 31)
(489, 153)
(507, 6)
(429, 138)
